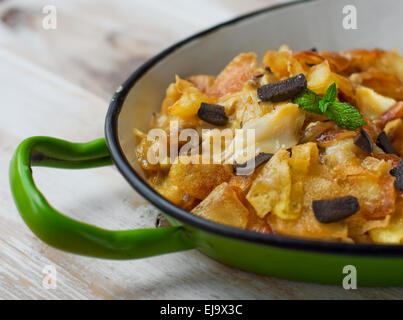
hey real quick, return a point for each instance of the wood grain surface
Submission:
(58, 83)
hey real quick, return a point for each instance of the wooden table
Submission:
(58, 83)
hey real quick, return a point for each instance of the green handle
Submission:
(70, 235)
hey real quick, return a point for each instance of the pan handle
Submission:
(68, 234)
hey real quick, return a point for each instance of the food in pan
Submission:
(327, 145)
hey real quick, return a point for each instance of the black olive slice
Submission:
(398, 183)
(212, 113)
(384, 143)
(282, 90)
(363, 141)
(336, 209)
(398, 170)
(398, 173)
(259, 159)
(314, 49)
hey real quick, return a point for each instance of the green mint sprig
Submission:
(328, 98)
(344, 114)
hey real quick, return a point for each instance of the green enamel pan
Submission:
(302, 25)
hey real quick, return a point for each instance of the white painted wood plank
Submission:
(97, 44)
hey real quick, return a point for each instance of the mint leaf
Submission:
(345, 115)
(329, 97)
(331, 93)
(308, 100)
(323, 104)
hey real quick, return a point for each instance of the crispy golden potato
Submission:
(257, 224)
(222, 205)
(173, 93)
(243, 182)
(393, 63)
(382, 82)
(175, 194)
(188, 101)
(304, 157)
(198, 179)
(315, 129)
(320, 78)
(307, 226)
(279, 187)
(244, 106)
(295, 67)
(359, 225)
(234, 75)
(202, 82)
(393, 113)
(337, 62)
(362, 59)
(369, 181)
(394, 159)
(394, 130)
(345, 89)
(308, 57)
(141, 152)
(372, 104)
(278, 61)
(270, 191)
(334, 136)
(376, 195)
(316, 186)
(366, 183)
(393, 232)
